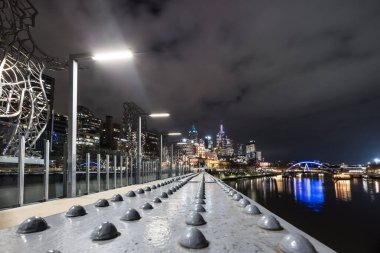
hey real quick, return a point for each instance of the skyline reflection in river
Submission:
(342, 214)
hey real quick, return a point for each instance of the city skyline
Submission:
(305, 89)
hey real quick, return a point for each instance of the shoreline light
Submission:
(127, 54)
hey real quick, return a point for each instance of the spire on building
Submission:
(193, 133)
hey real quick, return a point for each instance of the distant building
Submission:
(89, 131)
(259, 157)
(187, 147)
(200, 149)
(111, 135)
(250, 150)
(131, 115)
(193, 134)
(208, 142)
(224, 145)
(240, 149)
(151, 147)
(59, 138)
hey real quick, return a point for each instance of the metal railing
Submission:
(95, 175)
(99, 172)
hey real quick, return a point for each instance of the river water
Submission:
(344, 215)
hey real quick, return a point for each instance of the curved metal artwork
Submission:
(23, 101)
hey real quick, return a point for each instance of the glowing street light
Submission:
(73, 103)
(376, 160)
(174, 134)
(159, 115)
(122, 55)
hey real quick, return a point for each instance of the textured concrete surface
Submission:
(14, 216)
(228, 228)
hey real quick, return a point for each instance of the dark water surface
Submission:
(344, 215)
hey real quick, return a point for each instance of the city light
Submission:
(376, 160)
(159, 115)
(127, 54)
(174, 134)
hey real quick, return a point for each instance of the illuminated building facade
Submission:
(208, 142)
(151, 147)
(111, 135)
(224, 145)
(250, 150)
(59, 138)
(193, 134)
(89, 131)
(259, 157)
(200, 149)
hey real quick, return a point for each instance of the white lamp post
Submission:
(73, 102)
(139, 153)
(167, 134)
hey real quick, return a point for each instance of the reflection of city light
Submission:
(343, 190)
(365, 185)
(377, 187)
(310, 192)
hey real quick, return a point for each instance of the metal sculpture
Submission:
(23, 101)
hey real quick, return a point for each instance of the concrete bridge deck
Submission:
(228, 228)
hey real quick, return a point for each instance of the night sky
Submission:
(299, 77)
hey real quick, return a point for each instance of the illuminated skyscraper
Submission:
(89, 128)
(224, 145)
(208, 142)
(193, 134)
(250, 150)
(220, 137)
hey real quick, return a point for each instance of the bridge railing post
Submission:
(46, 165)
(107, 172)
(98, 170)
(88, 173)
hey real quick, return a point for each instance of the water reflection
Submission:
(323, 207)
(309, 191)
(343, 190)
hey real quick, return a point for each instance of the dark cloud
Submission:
(301, 78)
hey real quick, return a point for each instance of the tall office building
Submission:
(250, 150)
(259, 157)
(151, 147)
(111, 135)
(131, 115)
(208, 142)
(59, 138)
(240, 149)
(193, 134)
(89, 130)
(224, 145)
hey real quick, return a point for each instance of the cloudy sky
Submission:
(299, 77)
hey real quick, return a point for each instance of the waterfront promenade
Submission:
(228, 227)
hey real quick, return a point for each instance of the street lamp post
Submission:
(160, 167)
(139, 153)
(73, 102)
